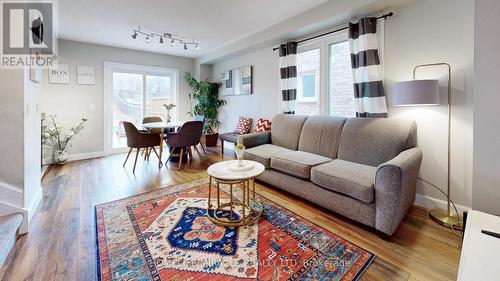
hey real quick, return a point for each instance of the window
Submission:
(132, 93)
(324, 77)
(340, 89)
(308, 72)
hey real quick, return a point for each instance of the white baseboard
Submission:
(80, 156)
(83, 156)
(433, 203)
(34, 204)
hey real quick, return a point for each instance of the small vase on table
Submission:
(239, 149)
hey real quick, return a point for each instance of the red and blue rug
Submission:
(165, 235)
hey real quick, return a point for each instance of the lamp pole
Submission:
(444, 217)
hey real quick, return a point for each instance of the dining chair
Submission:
(138, 140)
(202, 119)
(188, 135)
(150, 119)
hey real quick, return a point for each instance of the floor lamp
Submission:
(421, 93)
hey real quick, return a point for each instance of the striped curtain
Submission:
(288, 75)
(367, 72)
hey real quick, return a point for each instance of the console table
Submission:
(480, 255)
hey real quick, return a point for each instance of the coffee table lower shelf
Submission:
(224, 214)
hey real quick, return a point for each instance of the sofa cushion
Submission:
(349, 178)
(321, 135)
(262, 125)
(297, 163)
(285, 130)
(243, 126)
(263, 153)
(373, 141)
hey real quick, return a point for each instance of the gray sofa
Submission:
(362, 168)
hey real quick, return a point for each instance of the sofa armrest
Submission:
(395, 187)
(255, 139)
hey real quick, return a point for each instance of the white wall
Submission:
(11, 126)
(486, 100)
(71, 102)
(426, 32)
(265, 100)
(422, 32)
(20, 189)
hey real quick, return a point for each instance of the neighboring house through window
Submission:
(324, 77)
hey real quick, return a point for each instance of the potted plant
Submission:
(206, 96)
(53, 135)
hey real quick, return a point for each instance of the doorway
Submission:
(133, 92)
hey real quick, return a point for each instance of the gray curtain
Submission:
(288, 76)
(366, 68)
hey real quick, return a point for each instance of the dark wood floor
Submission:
(61, 241)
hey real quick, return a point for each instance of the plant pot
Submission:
(60, 157)
(211, 140)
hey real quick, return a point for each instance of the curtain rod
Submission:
(390, 14)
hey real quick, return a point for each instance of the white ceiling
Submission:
(213, 23)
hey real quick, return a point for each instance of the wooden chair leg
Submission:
(222, 146)
(203, 147)
(135, 162)
(157, 155)
(128, 154)
(190, 153)
(180, 157)
(168, 159)
(197, 151)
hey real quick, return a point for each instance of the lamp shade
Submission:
(416, 93)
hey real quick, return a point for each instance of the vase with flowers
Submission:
(169, 108)
(53, 135)
(239, 149)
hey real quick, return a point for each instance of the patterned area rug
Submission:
(165, 235)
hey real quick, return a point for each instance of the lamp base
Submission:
(441, 216)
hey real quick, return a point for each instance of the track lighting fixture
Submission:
(164, 37)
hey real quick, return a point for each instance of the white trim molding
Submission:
(433, 203)
(84, 156)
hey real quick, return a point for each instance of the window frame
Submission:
(144, 70)
(323, 44)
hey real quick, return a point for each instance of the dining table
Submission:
(162, 126)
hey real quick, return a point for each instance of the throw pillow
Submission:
(262, 125)
(243, 125)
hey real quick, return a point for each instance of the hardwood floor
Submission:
(61, 241)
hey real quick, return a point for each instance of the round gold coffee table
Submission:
(240, 211)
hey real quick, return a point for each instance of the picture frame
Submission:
(59, 74)
(237, 81)
(85, 75)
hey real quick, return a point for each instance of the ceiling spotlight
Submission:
(185, 47)
(197, 48)
(161, 40)
(172, 42)
(148, 40)
(134, 35)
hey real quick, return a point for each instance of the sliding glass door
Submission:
(132, 93)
